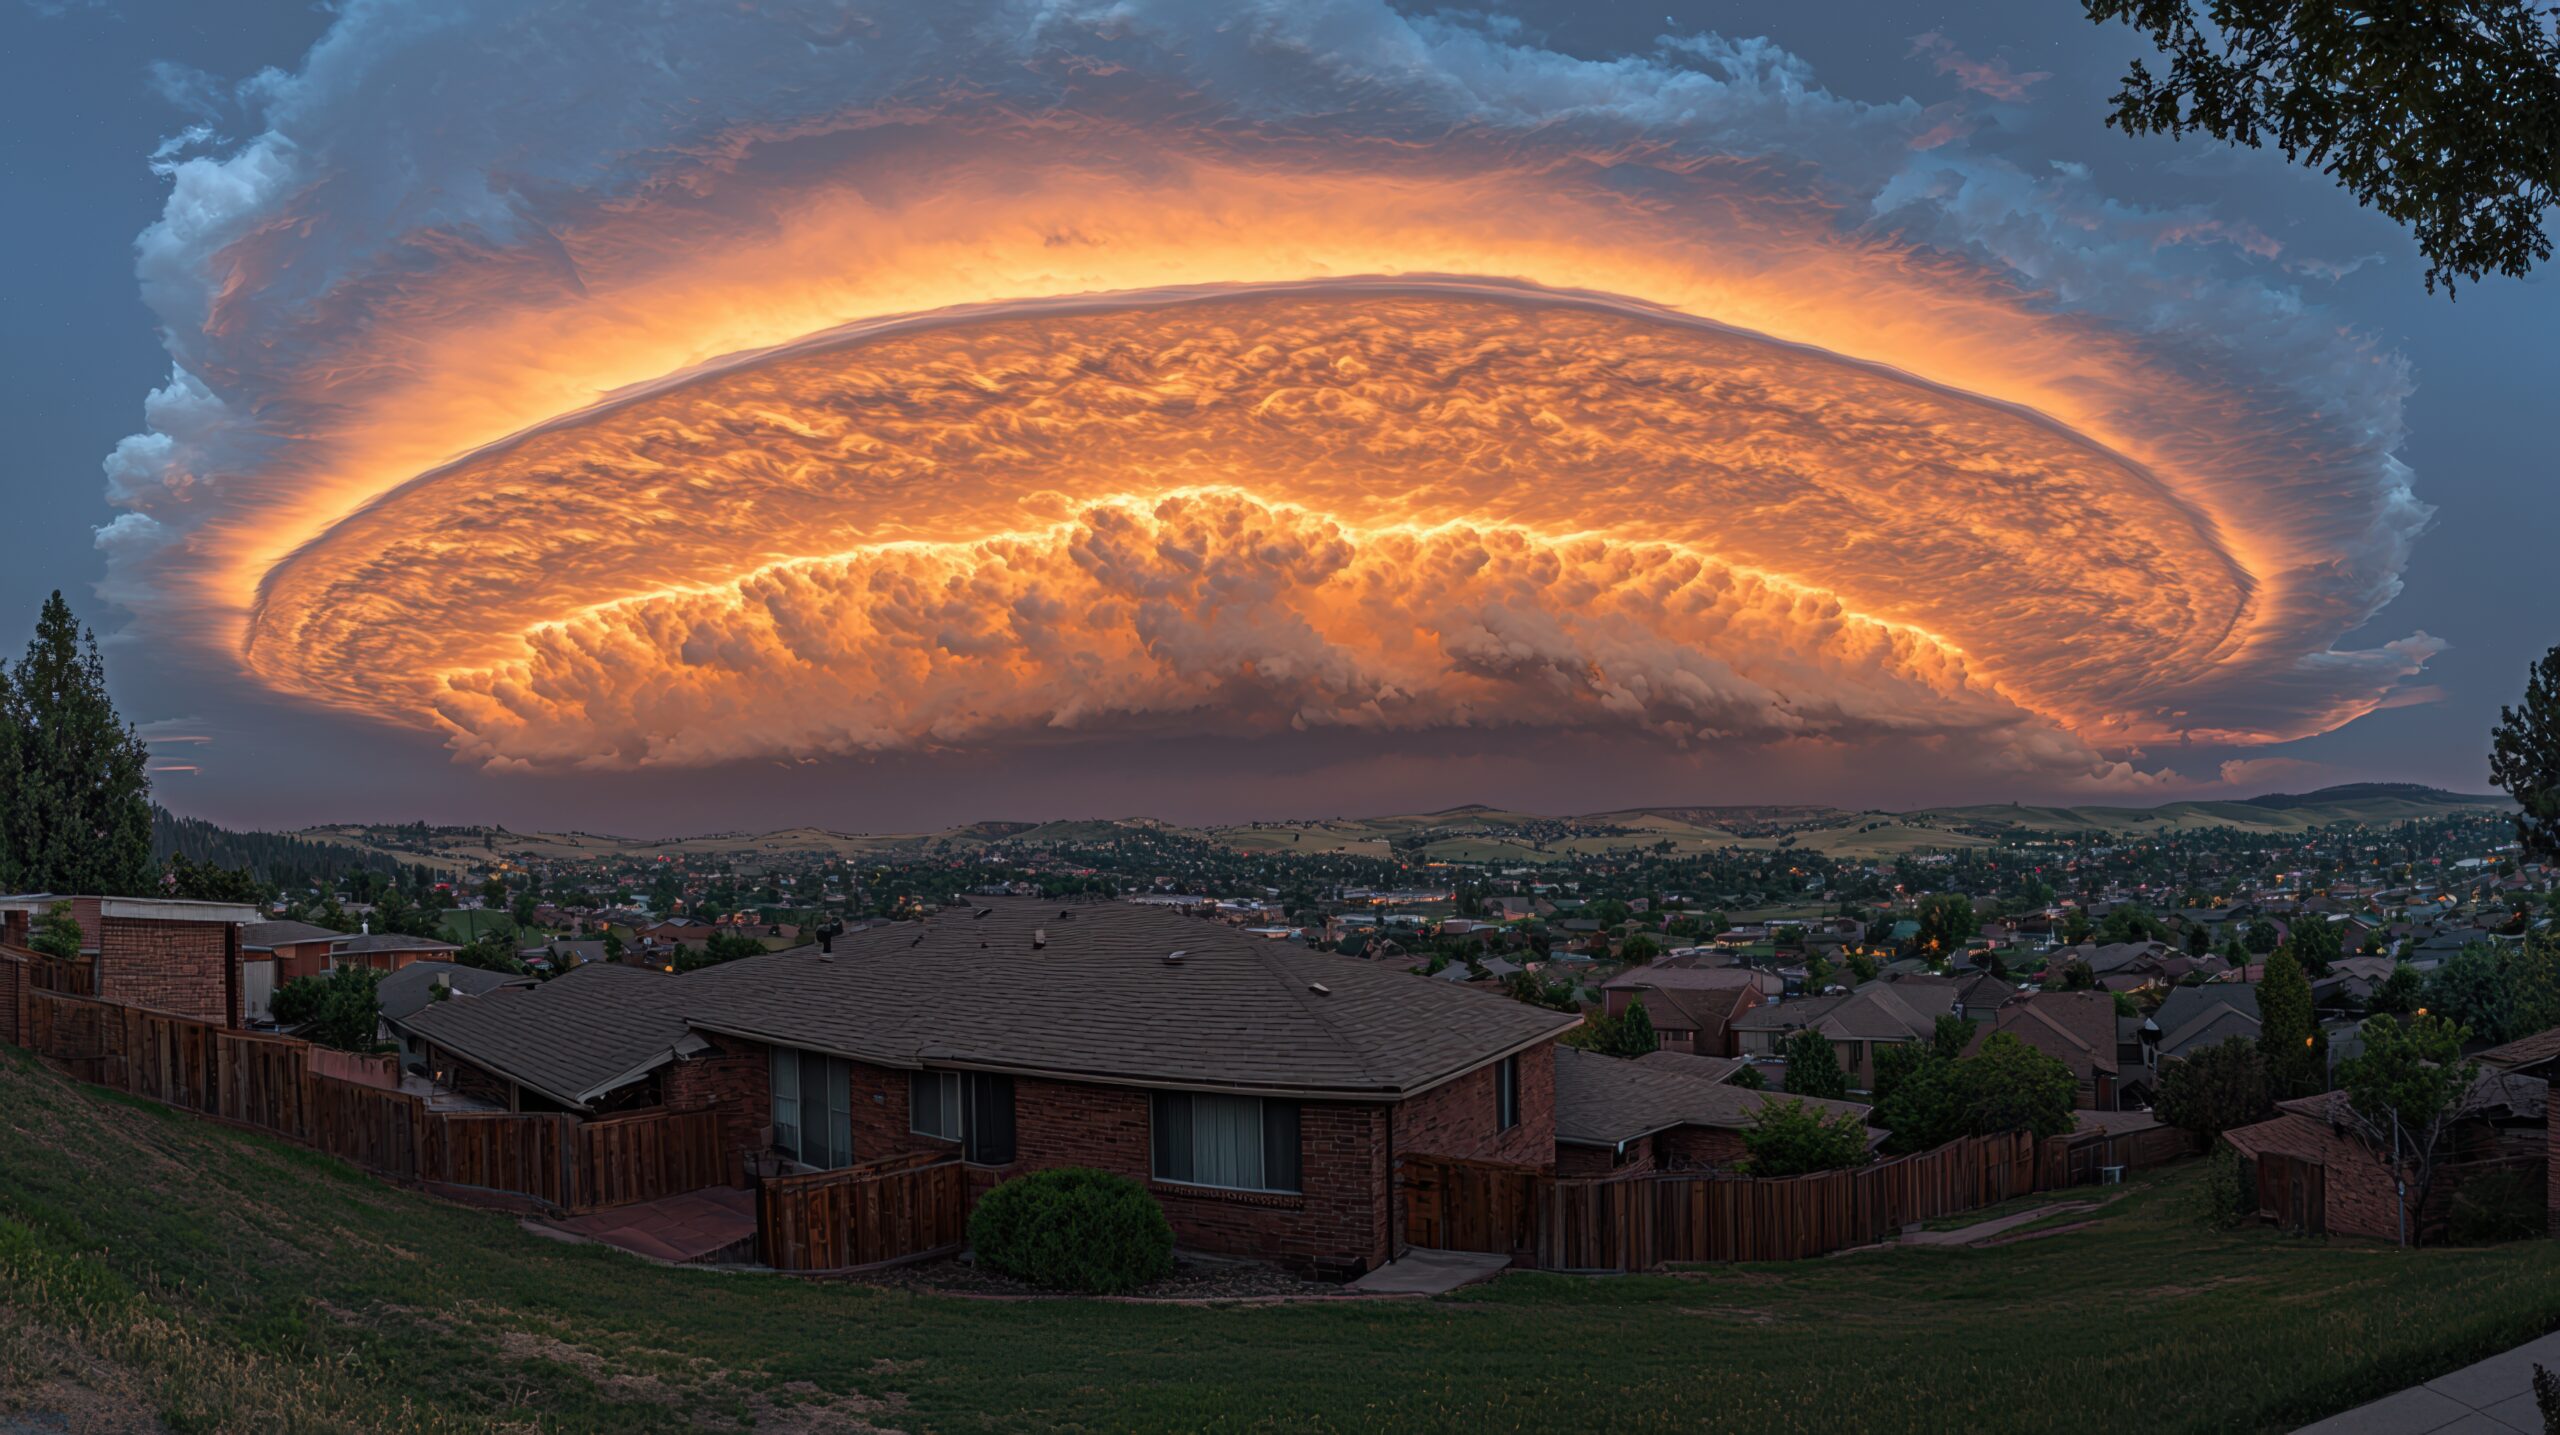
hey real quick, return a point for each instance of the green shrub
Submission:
(2227, 1196)
(2498, 1206)
(1073, 1228)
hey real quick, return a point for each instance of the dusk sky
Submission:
(676, 418)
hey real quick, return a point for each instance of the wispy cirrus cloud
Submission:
(1991, 78)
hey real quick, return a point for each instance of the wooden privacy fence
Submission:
(874, 1214)
(1639, 1222)
(278, 1084)
(2080, 1158)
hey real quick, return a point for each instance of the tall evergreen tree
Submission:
(76, 801)
(2288, 1031)
(2524, 758)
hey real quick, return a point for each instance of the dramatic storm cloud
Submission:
(614, 390)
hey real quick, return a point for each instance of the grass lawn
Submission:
(156, 1266)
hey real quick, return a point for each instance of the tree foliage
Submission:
(57, 933)
(1791, 1138)
(2444, 116)
(2499, 992)
(340, 1008)
(75, 791)
(2216, 1089)
(1813, 1069)
(2005, 1085)
(2317, 942)
(196, 881)
(2288, 1031)
(2524, 758)
(1947, 921)
(1628, 1034)
(2411, 1087)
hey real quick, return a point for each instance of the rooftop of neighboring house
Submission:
(412, 987)
(1874, 1011)
(2525, 1053)
(572, 1038)
(1704, 1068)
(159, 909)
(267, 936)
(2077, 1027)
(1691, 973)
(370, 942)
(1603, 1100)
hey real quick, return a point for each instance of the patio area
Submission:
(715, 1222)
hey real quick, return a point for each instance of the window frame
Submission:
(1172, 1132)
(968, 1103)
(833, 1148)
(1506, 1094)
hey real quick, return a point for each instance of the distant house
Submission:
(389, 951)
(298, 949)
(1857, 1023)
(1691, 1005)
(409, 990)
(2193, 1018)
(1617, 1117)
(2079, 1029)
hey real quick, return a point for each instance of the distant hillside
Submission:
(1472, 833)
(280, 858)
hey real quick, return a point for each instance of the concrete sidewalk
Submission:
(1422, 1271)
(2494, 1397)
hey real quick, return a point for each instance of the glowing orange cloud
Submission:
(940, 422)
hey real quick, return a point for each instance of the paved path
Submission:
(674, 1228)
(1428, 1272)
(1984, 1230)
(2494, 1397)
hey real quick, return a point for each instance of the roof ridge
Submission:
(1266, 957)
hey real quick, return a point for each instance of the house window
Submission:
(974, 1108)
(1239, 1143)
(1506, 1093)
(812, 1108)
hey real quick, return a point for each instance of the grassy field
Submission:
(154, 1267)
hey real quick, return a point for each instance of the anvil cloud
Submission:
(711, 385)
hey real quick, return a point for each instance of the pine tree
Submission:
(77, 798)
(2524, 758)
(2287, 1031)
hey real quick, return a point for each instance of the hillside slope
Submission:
(158, 1268)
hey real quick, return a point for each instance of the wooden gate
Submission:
(875, 1214)
(1452, 1205)
(2294, 1193)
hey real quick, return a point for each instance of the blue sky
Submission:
(93, 90)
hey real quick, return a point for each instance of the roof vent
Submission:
(1320, 989)
(1039, 938)
(981, 914)
(1174, 959)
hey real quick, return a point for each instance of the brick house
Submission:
(1261, 1091)
(2315, 1170)
(2080, 1030)
(1660, 1112)
(1692, 1006)
(1877, 1014)
(298, 949)
(163, 953)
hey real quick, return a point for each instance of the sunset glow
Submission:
(968, 419)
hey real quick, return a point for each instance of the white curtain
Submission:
(786, 1100)
(1226, 1141)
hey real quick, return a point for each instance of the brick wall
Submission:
(1458, 1118)
(735, 1079)
(1699, 1148)
(171, 966)
(1578, 1162)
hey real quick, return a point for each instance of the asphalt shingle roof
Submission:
(565, 1037)
(1099, 1001)
(1602, 1100)
(405, 991)
(267, 936)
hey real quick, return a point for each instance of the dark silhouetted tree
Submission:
(77, 800)
(2524, 758)
(2444, 116)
